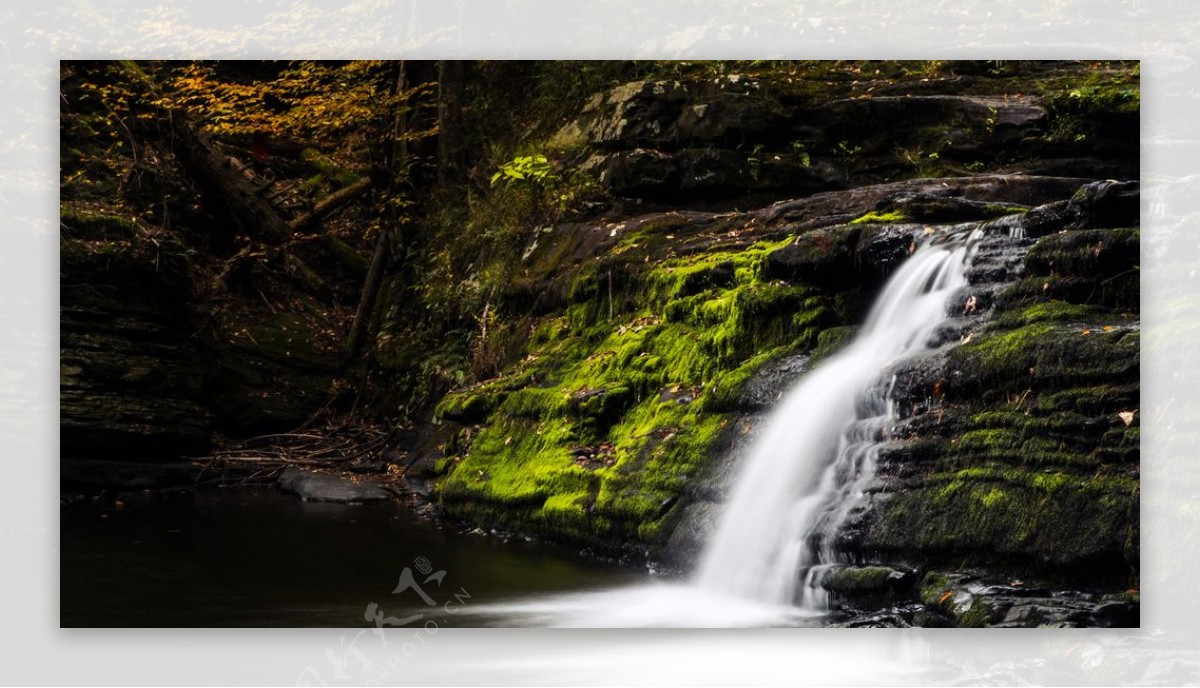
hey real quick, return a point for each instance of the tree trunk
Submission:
(220, 181)
(451, 162)
(370, 292)
(330, 203)
(395, 155)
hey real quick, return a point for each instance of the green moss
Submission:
(880, 217)
(1014, 446)
(858, 578)
(97, 225)
(1015, 516)
(978, 615)
(625, 411)
(993, 210)
(832, 340)
(934, 586)
(654, 230)
(1091, 110)
(1044, 354)
(329, 169)
(1050, 311)
(465, 407)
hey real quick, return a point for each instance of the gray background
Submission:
(1161, 33)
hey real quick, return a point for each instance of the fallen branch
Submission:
(330, 203)
(333, 447)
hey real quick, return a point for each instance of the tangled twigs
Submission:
(333, 446)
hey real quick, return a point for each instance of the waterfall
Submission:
(803, 476)
(809, 465)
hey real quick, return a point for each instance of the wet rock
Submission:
(687, 540)
(966, 600)
(822, 256)
(876, 620)
(1095, 205)
(1117, 614)
(998, 258)
(705, 174)
(866, 587)
(764, 389)
(1107, 204)
(941, 208)
(956, 127)
(321, 487)
(635, 173)
(883, 247)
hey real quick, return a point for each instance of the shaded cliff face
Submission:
(657, 340)
(147, 376)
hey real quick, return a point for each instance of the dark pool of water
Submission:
(256, 557)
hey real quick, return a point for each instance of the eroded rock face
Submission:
(145, 378)
(129, 388)
(707, 140)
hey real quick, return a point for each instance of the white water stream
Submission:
(806, 470)
(803, 475)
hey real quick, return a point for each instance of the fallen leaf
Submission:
(1126, 416)
(945, 596)
(1107, 328)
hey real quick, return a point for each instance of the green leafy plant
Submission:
(799, 149)
(531, 168)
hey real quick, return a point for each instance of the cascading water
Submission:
(803, 475)
(807, 469)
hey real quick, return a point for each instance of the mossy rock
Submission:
(466, 407)
(858, 579)
(1021, 518)
(626, 412)
(1044, 355)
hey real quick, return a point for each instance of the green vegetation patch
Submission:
(602, 425)
(880, 217)
(1001, 513)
